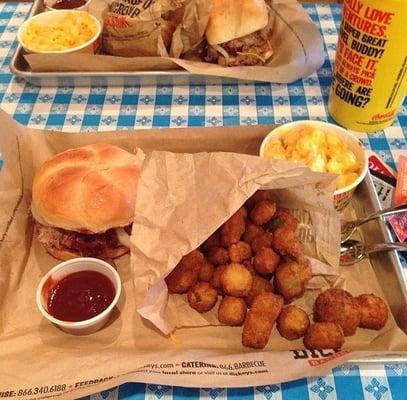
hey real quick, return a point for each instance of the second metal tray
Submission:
(19, 67)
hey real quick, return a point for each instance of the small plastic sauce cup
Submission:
(66, 268)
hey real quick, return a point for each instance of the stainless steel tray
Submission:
(20, 68)
(386, 265)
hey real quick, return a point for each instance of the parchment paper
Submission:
(297, 44)
(38, 360)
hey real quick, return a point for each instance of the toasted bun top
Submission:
(231, 19)
(87, 189)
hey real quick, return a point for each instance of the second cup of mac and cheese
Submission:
(323, 147)
(60, 31)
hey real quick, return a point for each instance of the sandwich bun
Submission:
(89, 189)
(232, 19)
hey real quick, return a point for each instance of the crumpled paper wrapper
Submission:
(38, 360)
(297, 44)
(200, 192)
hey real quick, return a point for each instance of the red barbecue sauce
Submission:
(68, 4)
(80, 296)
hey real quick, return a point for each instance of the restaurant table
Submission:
(73, 109)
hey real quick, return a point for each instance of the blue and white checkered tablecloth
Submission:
(107, 108)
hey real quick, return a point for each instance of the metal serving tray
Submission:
(386, 265)
(20, 68)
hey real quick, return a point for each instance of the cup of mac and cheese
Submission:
(60, 31)
(323, 147)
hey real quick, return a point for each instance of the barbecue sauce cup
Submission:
(79, 295)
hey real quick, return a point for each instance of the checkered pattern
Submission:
(347, 382)
(109, 108)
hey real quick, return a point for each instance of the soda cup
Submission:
(370, 75)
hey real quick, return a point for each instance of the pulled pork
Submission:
(85, 245)
(251, 49)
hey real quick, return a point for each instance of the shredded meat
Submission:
(253, 48)
(86, 245)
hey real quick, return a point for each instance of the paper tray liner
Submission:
(39, 360)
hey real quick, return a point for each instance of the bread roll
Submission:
(231, 19)
(89, 189)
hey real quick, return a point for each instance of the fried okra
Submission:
(257, 197)
(249, 265)
(324, 335)
(265, 261)
(252, 231)
(186, 273)
(232, 311)
(239, 252)
(206, 271)
(218, 255)
(262, 212)
(264, 240)
(236, 280)
(292, 323)
(283, 219)
(373, 311)
(260, 319)
(287, 243)
(215, 281)
(338, 306)
(232, 230)
(202, 297)
(259, 285)
(291, 278)
(268, 304)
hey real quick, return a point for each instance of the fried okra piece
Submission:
(291, 278)
(265, 261)
(232, 230)
(212, 241)
(215, 281)
(262, 212)
(249, 265)
(338, 306)
(283, 219)
(259, 285)
(206, 271)
(269, 304)
(373, 311)
(287, 243)
(239, 252)
(293, 322)
(218, 255)
(185, 274)
(264, 240)
(258, 196)
(202, 297)
(252, 231)
(232, 311)
(236, 280)
(324, 335)
(256, 331)
(260, 319)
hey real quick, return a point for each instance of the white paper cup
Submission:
(89, 47)
(341, 196)
(65, 268)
